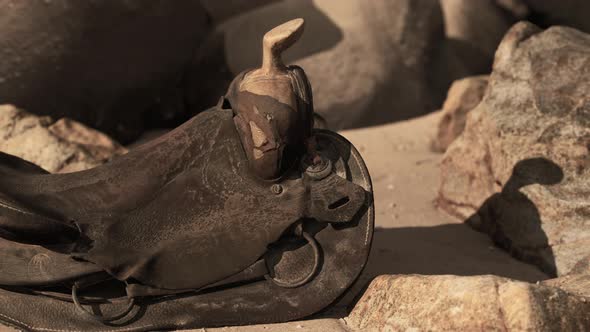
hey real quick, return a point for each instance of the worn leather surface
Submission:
(282, 115)
(344, 247)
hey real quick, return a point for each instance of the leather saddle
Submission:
(245, 214)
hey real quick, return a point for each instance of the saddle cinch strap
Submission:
(245, 214)
(95, 285)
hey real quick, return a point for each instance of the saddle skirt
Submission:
(180, 212)
(182, 215)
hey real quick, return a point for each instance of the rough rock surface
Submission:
(375, 61)
(521, 170)
(103, 63)
(479, 303)
(58, 147)
(463, 96)
(578, 284)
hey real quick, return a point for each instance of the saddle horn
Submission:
(273, 105)
(276, 41)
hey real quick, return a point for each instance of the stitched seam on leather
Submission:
(61, 330)
(10, 207)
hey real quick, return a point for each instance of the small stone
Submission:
(464, 95)
(58, 147)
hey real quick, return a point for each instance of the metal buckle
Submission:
(99, 318)
(316, 262)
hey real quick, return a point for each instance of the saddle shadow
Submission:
(471, 248)
(513, 221)
(458, 249)
(448, 249)
(479, 246)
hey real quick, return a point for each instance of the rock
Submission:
(411, 235)
(463, 96)
(102, 63)
(582, 266)
(478, 303)
(578, 284)
(368, 61)
(521, 169)
(58, 147)
(307, 325)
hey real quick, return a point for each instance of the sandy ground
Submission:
(411, 236)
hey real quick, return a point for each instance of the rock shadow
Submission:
(513, 221)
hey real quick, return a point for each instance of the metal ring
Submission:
(98, 317)
(318, 171)
(316, 264)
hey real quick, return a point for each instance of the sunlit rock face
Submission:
(521, 169)
(463, 96)
(61, 146)
(474, 303)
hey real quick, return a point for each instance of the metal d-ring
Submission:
(316, 264)
(99, 318)
(317, 171)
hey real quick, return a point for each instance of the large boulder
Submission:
(368, 61)
(463, 96)
(478, 303)
(57, 146)
(104, 63)
(521, 169)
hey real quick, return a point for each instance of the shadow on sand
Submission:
(513, 220)
(509, 220)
